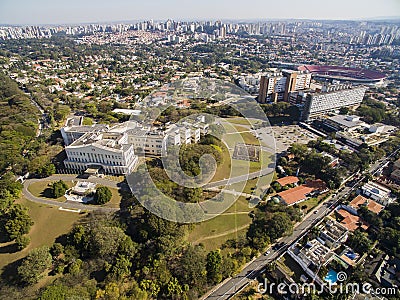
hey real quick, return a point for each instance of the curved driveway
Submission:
(69, 204)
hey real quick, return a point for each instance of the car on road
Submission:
(278, 246)
(268, 252)
(315, 211)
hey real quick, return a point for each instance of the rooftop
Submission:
(347, 121)
(295, 194)
(396, 164)
(287, 180)
(298, 193)
(370, 204)
(86, 128)
(112, 141)
(376, 189)
(350, 221)
(334, 230)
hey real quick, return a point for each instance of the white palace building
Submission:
(114, 149)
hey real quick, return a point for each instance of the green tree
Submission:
(22, 241)
(56, 250)
(344, 110)
(54, 292)
(121, 268)
(108, 241)
(191, 268)
(58, 189)
(360, 242)
(18, 221)
(33, 266)
(47, 170)
(213, 266)
(103, 195)
(174, 289)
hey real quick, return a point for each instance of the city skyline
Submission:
(23, 12)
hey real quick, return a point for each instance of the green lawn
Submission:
(42, 189)
(49, 223)
(213, 233)
(232, 128)
(241, 205)
(250, 185)
(310, 203)
(240, 137)
(115, 200)
(241, 166)
(242, 121)
(223, 170)
(216, 243)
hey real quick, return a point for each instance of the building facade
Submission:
(113, 149)
(107, 151)
(283, 86)
(331, 99)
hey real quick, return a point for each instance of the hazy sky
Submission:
(78, 11)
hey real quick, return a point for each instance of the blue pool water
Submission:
(351, 255)
(331, 277)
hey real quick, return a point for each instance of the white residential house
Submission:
(377, 192)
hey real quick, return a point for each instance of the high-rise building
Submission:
(330, 99)
(280, 86)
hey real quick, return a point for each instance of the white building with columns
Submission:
(107, 151)
(113, 149)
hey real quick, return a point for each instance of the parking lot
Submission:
(289, 134)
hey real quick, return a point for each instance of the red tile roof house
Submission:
(373, 206)
(350, 221)
(300, 193)
(287, 180)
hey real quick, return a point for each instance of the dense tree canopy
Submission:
(58, 189)
(103, 195)
(33, 266)
(18, 125)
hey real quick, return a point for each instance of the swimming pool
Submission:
(331, 277)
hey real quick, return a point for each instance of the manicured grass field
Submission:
(50, 223)
(250, 184)
(216, 243)
(115, 200)
(241, 167)
(241, 205)
(219, 227)
(223, 170)
(240, 137)
(312, 203)
(242, 121)
(213, 233)
(232, 128)
(42, 189)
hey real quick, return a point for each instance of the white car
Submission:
(268, 252)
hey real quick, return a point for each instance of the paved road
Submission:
(70, 204)
(232, 192)
(235, 284)
(231, 287)
(240, 178)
